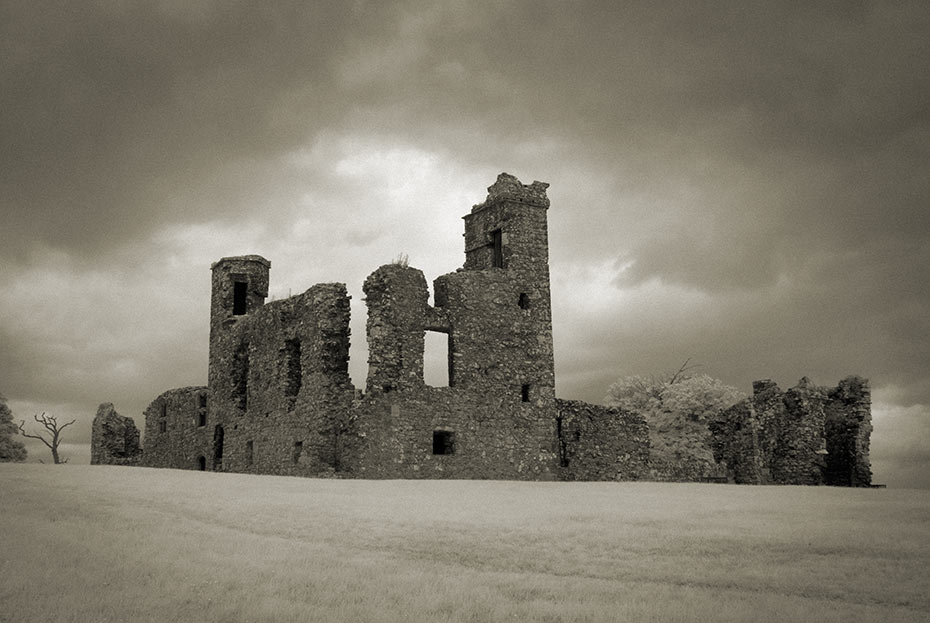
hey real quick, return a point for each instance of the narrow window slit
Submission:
(240, 291)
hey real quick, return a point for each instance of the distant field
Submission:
(93, 543)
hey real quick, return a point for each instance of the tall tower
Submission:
(499, 305)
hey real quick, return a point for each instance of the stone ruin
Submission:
(807, 435)
(279, 399)
(114, 438)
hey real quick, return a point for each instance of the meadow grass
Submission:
(101, 543)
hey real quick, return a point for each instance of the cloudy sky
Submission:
(746, 185)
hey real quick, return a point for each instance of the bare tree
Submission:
(50, 422)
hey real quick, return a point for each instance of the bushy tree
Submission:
(10, 449)
(677, 408)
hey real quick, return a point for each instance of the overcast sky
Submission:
(746, 185)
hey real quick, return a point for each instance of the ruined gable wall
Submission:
(175, 428)
(114, 438)
(600, 443)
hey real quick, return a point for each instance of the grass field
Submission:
(100, 543)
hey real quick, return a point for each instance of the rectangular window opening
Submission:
(497, 244)
(436, 359)
(240, 291)
(162, 426)
(249, 448)
(164, 409)
(525, 393)
(202, 419)
(298, 451)
(443, 442)
(203, 401)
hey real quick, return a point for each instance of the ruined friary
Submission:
(279, 399)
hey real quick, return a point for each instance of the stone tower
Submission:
(239, 288)
(498, 306)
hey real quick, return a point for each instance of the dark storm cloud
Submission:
(109, 108)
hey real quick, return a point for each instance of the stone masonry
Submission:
(279, 399)
(807, 435)
(114, 438)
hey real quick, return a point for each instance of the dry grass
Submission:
(89, 543)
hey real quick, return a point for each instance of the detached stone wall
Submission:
(600, 443)
(807, 435)
(114, 438)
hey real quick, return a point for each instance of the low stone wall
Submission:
(600, 443)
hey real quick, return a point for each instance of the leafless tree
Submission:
(52, 436)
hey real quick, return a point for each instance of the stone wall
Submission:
(177, 432)
(848, 428)
(114, 438)
(600, 443)
(807, 435)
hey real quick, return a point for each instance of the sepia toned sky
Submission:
(745, 185)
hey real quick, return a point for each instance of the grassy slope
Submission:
(91, 543)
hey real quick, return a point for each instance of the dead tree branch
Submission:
(53, 436)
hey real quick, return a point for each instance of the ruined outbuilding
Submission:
(279, 399)
(807, 435)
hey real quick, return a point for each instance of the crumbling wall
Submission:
(177, 429)
(735, 442)
(114, 438)
(848, 428)
(280, 390)
(600, 443)
(397, 300)
(807, 435)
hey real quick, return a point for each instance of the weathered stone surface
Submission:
(601, 443)
(114, 438)
(808, 435)
(848, 428)
(280, 401)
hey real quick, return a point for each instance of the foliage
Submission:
(677, 408)
(10, 448)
